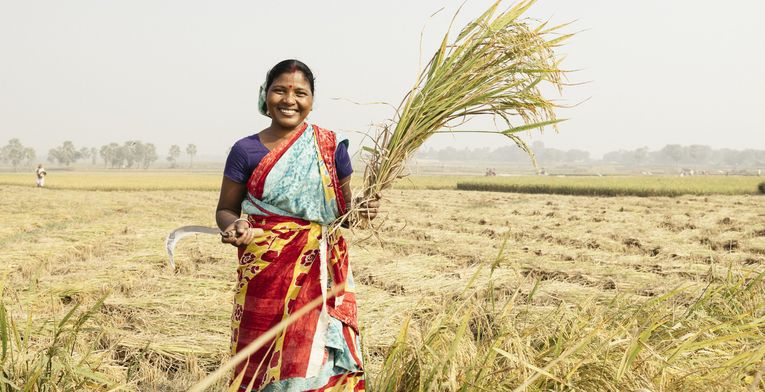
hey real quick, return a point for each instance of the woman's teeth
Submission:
(288, 111)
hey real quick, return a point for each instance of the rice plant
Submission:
(495, 67)
(686, 339)
(49, 357)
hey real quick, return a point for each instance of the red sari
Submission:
(281, 272)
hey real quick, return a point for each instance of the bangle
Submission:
(245, 220)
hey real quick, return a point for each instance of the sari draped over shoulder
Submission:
(293, 194)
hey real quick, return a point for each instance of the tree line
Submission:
(669, 155)
(693, 155)
(132, 154)
(506, 153)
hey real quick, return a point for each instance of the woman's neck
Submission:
(281, 132)
(276, 129)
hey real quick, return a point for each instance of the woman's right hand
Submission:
(239, 233)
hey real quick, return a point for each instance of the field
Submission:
(547, 292)
(608, 185)
(618, 185)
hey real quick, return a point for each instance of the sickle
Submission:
(184, 231)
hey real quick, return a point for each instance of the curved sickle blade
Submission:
(181, 232)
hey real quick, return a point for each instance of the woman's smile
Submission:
(288, 112)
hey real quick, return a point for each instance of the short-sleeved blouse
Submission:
(247, 153)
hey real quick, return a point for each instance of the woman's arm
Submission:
(229, 210)
(345, 187)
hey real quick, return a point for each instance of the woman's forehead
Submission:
(294, 78)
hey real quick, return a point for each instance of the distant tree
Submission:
(640, 155)
(84, 153)
(173, 154)
(614, 156)
(29, 155)
(64, 154)
(423, 153)
(191, 150)
(549, 155)
(93, 155)
(576, 155)
(748, 157)
(447, 154)
(107, 153)
(673, 153)
(121, 154)
(115, 155)
(730, 157)
(699, 154)
(133, 152)
(150, 155)
(15, 153)
(509, 154)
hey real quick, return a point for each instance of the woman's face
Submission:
(289, 100)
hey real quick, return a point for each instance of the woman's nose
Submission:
(289, 98)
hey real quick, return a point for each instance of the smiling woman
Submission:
(292, 180)
(287, 95)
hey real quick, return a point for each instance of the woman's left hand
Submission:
(368, 209)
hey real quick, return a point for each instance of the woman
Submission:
(292, 180)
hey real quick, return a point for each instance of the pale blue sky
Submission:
(188, 71)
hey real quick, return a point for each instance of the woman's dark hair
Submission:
(288, 66)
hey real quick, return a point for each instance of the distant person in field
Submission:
(41, 173)
(292, 180)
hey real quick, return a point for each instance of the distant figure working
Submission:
(40, 175)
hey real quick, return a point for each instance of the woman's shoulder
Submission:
(249, 143)
(247, 140)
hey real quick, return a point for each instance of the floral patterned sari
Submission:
(293, 195)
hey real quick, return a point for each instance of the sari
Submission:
(293, 195)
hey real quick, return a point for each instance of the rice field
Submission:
(618, 186)
(594, 185)
(461, 290)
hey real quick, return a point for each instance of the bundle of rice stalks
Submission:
(496, 67)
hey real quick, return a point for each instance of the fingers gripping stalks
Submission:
(362, 211)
